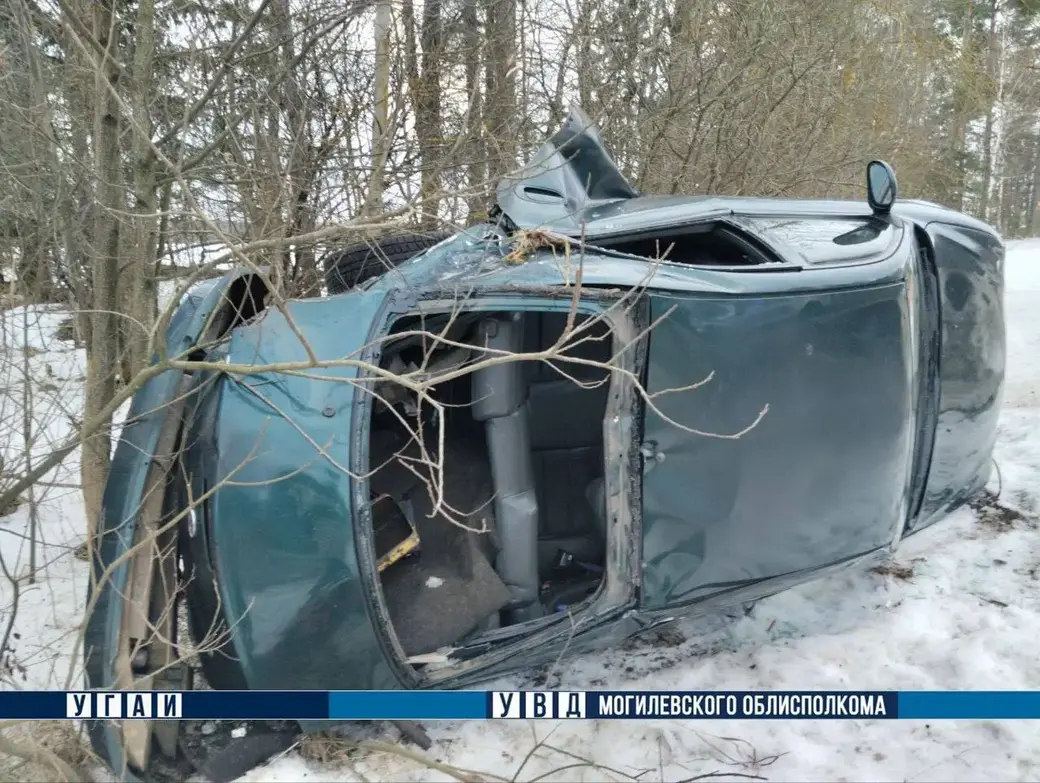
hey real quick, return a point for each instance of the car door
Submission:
(967, 260)
(780, 437)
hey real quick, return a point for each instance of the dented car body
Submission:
(797, 386)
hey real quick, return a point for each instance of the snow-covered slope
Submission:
(963, 612)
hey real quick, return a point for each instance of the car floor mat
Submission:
(433, 603)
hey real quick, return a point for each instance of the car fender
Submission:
(150, 411)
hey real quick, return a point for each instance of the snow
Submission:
(961, 611)
(48, 610)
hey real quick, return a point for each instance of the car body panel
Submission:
(467, 263)
(124, 493)
(570, 172)
(880, 361)
(280, 531)
(821, 478)
(843, 324)
(816, 240)
(970, 265)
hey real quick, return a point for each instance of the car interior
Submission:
(514, 527)
(711, 244)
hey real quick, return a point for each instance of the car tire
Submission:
(354, 264)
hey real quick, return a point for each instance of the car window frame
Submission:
(746, 222)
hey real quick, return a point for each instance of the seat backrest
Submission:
(565, 414)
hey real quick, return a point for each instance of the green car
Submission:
(593, 414)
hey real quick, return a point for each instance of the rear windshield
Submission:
(829, 240)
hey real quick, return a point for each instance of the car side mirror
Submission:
(881, 186)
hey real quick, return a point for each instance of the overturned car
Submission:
(596, 413)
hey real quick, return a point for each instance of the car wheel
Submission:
(354, 264)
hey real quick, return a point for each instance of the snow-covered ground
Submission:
(47, 610)
(964, 613)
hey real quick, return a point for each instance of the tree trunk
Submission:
(500, 74)
(962, 108)
(300, 263)
(33, 273)
(1033, 212)
(103, 349)
(34, 155)
(662, 169)
(77, 206)
(137, 280)
(993, 97)
(585, 57)
(476, 168)
(381, 135)
(428, 111)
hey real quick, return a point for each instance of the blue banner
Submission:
(969, 705)
(408, 705)
(522, 705)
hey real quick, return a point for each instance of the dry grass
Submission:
(326, 748)
(342, 751)
(528, 242)
(901, 571)
(736, 758)
(44, 752)
(995, 515)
